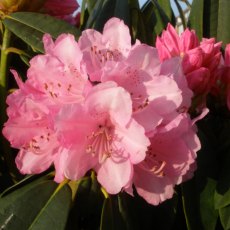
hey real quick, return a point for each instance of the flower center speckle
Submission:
(105, 55)
(100, 143)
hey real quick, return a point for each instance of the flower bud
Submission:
(188, 40)
(192, 60)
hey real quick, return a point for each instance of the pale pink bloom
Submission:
(156, 89)
(60, 7)
(54, 79)
(200, 60)
(101, 134)
(30, 128)
(60, 72)
(112, 45)
(169, 159)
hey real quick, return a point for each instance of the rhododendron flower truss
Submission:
(104, 105)
(169, 158)
(101, 134)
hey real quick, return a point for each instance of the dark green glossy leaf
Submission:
(225, 217)
(182, 16)
(196, 17)
(223, 30)
(31, 27)
(122, 11)
(37, 205)
(107, 221)
(210, 18)
(106, 11)
(90, 5)
(191, 205)
(156, 15)
(87, 205)
(198, 193)
(207, 210)
(111, 8)
(222, 195)
(94, 13)
(222, 200)
(54, 214)
(30, 180)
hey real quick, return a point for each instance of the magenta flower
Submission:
(169, 158)
(101, 134)
(199, 60)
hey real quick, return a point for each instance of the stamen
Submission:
(100, 142)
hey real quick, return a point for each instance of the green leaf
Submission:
(210, 18)
(182, 16)
(55, 212)
(94, 13)
(31, 27)
(107, 221)
(156, 15)
(207, 210)
(225, 217)
(198, 193)
(122, 11)
(222, 200)
(223, 30)
(222, 195)
(37, 205)
(111, 8)
(191, 205)
(196, 17)
(87, 205)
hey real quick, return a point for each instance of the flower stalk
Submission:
(3, 93)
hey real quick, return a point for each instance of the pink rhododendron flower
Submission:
(30, 128)
(156, 95)
(113, 44)
(170, 156)
(200, 60)
(101, 134)
(60, 73)
(54, 79)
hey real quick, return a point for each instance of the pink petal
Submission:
(30, 163)
(122, 40)
(113, 176)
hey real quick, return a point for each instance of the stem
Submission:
(3, 67)
(3, 93)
